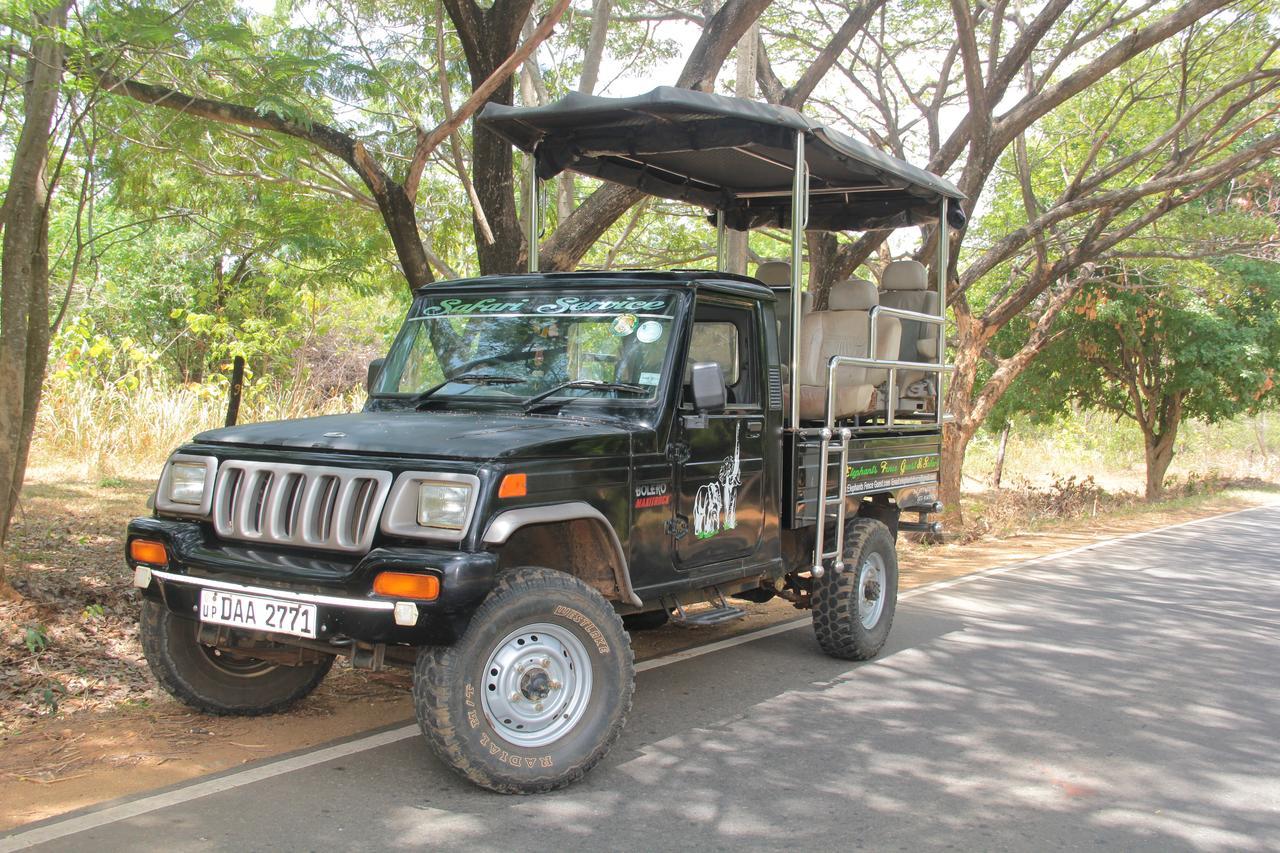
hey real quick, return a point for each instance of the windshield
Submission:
(545, 347)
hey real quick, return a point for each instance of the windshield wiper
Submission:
(473, 378)
(582, 383)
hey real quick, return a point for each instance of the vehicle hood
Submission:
(455, 435)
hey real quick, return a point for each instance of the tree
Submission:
(575, 235)
(1154, 107)
(1159, 342)
(395, 197)
(289, 104)
(280, 90)
(24, 266)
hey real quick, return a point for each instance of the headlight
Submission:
(186, 485)
(187, 482)
(443, 505)
(431, 505)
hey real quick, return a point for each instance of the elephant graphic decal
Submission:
(715, 507)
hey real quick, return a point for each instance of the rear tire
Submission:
(536, 690)
(853, 611)
(214, 682)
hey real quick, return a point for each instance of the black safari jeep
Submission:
(547, 458)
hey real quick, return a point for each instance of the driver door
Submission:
(720, 490)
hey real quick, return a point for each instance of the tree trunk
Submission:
(576, 235)
(1159, 433)
(1159, 449)
(955, 441)
(999, 472)
(24, 267)
(824, 265)
(402, 224)
(488, 37)
(494, 173)
(962, 405)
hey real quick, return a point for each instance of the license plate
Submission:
(258, 613)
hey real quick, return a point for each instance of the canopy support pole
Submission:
(721, 240)
(799, 214)
(532, 214)
(944, 248)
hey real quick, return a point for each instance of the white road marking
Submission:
(200, 789)
(690, 654)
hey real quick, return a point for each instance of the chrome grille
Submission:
(306, 506)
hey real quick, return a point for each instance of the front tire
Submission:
(536, 690)
(853, 610)
(214, 682)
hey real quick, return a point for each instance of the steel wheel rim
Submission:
(236, 666)
(871, 590)
(537, 683)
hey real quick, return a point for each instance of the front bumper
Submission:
(339, 585)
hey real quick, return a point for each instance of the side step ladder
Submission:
(826, 446)
(721, 612)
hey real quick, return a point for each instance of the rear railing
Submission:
(829, 431)
(936, 369)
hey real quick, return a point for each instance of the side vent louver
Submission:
(775, 388)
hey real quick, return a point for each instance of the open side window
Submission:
(724, 334)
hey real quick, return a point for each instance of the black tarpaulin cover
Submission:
(726, 154)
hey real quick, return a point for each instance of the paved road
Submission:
(1127, 697)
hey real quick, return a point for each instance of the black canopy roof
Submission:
(725, 154)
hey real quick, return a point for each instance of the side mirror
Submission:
(709, 394)
(375, 371)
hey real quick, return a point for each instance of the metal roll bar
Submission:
(799, 218)
(902, 313)
(828, 430)
(534, 213)
(800, 192)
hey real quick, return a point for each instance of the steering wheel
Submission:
(505, 358)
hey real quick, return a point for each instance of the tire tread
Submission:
(154, 633)
(835, 602)
(436, 666)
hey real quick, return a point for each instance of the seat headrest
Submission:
(806, 302)
(856, 294)
(905, 275)
(774, 273)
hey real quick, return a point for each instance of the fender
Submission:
(506, 523)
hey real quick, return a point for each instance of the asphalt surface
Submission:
(1125, 697)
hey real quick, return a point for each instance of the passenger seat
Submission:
(844, 329)
(906, 287)
(774, 273)
(778, 274)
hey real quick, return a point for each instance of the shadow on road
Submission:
(1126, 696)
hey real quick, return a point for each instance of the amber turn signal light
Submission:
(405, 585)
(149, 552)
(514, 486)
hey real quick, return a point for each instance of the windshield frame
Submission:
(478, 396)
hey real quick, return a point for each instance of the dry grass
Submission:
(1095, 446)
(69, 645)
(94, 431)
(1025, 506)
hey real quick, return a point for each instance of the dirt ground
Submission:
(82, 722)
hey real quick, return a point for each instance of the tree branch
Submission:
(427, 142)
(575, 236)
(821, 64)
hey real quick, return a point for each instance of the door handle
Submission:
(755, 427)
